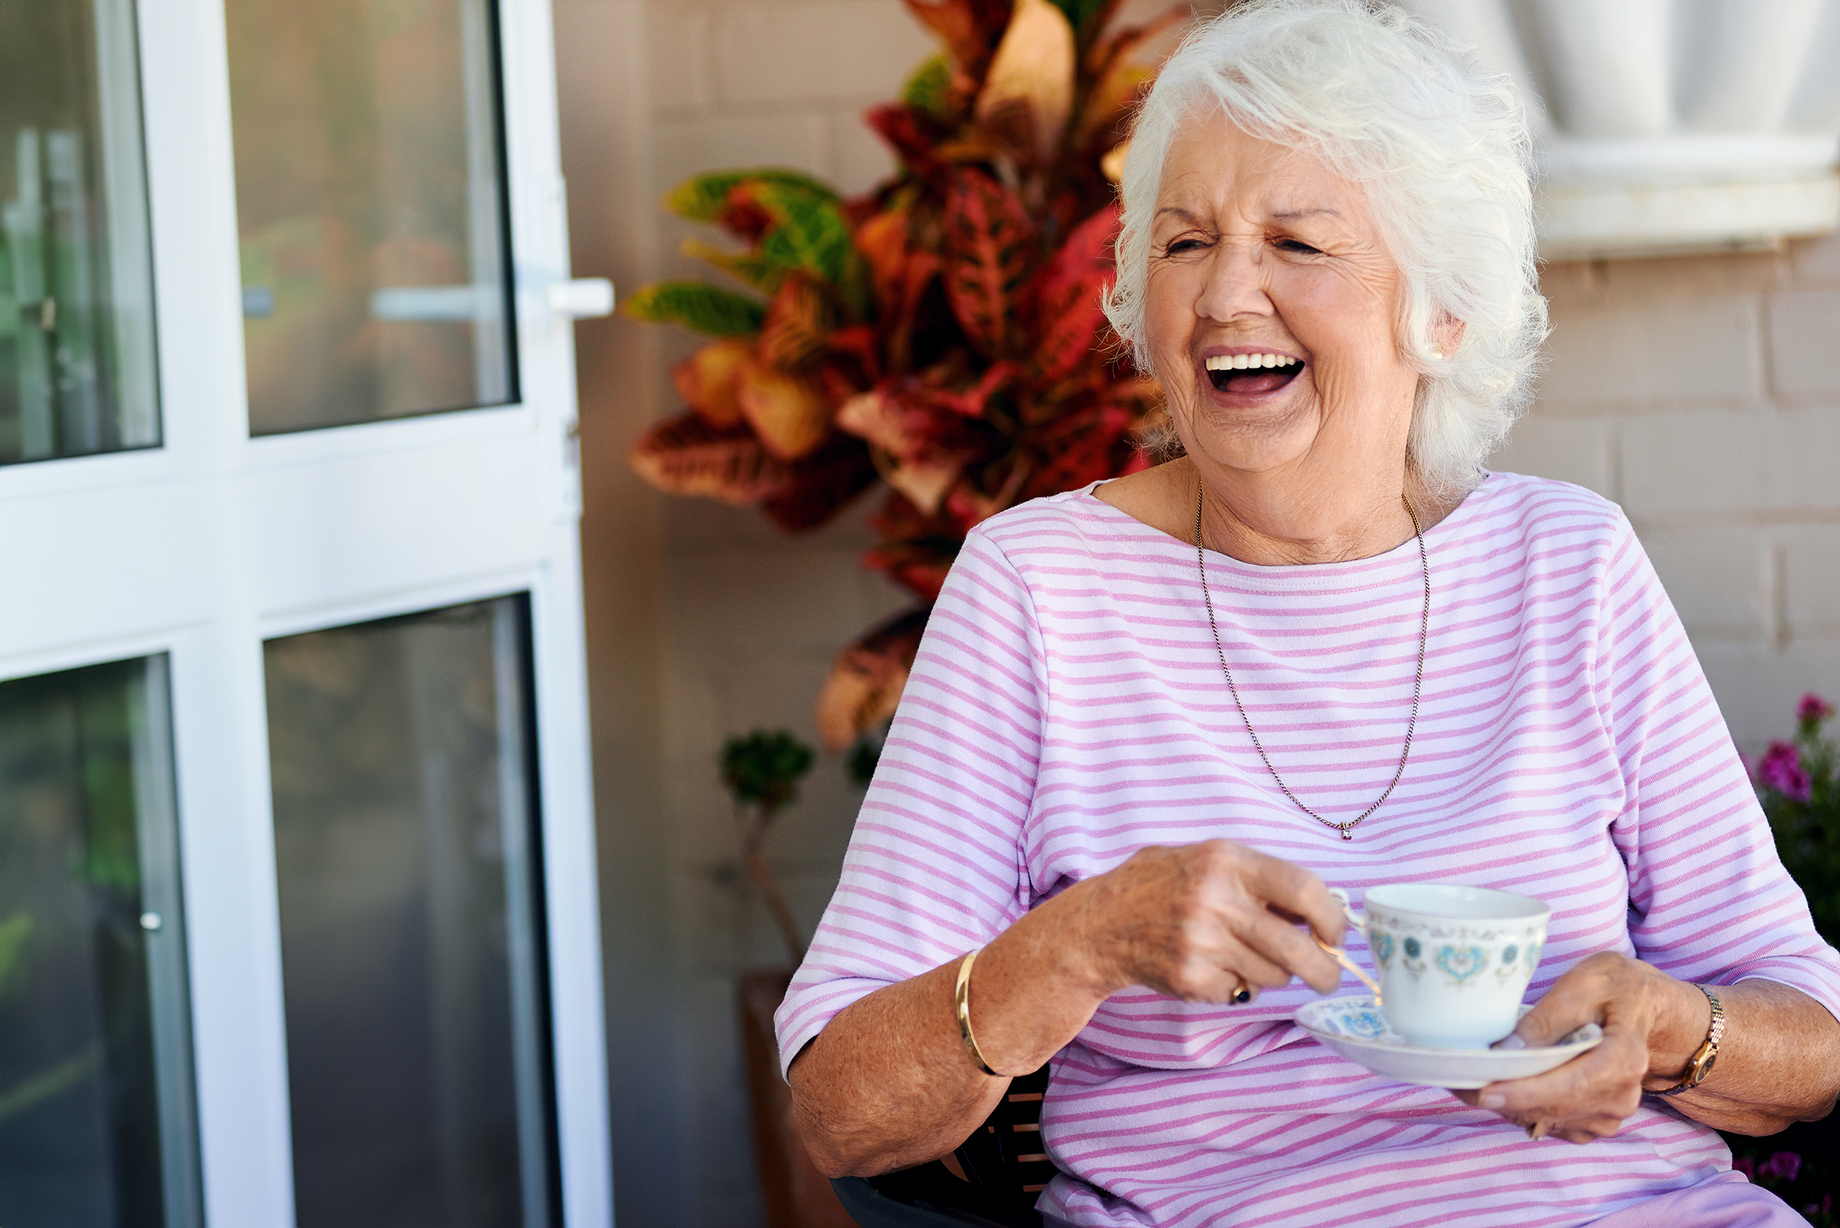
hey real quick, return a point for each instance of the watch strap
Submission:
(1700, 1064)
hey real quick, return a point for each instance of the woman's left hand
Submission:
(1652, 1024)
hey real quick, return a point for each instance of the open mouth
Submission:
(1252, 374)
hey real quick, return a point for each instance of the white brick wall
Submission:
(1701, 393)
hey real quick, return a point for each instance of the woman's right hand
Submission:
(888, 1082)
(1199, 921)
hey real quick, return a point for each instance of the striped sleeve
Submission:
(934, 866)
(1709, 900)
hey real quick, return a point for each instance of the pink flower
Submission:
(1743, 1164)
(1813, 708)
(1784, 1164)
(1782, 770)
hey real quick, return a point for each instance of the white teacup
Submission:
(1453, 961)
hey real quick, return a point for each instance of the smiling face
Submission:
(1269, 316)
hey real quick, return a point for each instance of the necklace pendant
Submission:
(1346, 834)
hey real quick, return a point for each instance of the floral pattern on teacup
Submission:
(1461, 964)
(1383, 949)
(1365, 1022)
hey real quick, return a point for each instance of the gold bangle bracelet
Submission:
(961, 997)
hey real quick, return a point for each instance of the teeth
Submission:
(1240, 362)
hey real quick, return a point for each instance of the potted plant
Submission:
(1797, 783)
(761, 772)
(941, 334)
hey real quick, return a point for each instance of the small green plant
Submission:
(761, 772)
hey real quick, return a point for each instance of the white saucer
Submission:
(1355, 1028)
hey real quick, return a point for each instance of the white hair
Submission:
(1442, 150)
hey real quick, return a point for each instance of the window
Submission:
(77, 369)
(411, 956)
(368, 187)
(96, 1111)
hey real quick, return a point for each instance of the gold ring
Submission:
(1242, 995)
(1537, 1131)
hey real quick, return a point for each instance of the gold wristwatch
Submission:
(1700, 1065)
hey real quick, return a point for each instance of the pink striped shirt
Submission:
(1067, 708)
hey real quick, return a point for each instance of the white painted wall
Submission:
(1700, 392)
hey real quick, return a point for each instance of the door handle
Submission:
(582, 298)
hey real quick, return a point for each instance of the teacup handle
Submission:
(1341, 896)
(1340, 956)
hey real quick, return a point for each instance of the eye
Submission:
(1182, 246)
(1297, 247)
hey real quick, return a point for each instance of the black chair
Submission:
(1004, 1165)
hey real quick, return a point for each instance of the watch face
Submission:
(1702, 1066)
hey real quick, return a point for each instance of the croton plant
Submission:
(940, 335)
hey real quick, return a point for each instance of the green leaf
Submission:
(808, 233)
(694, 305)
(700, 198)
(765, 767)
(762, 275)
(927, 87)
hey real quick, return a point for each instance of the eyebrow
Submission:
(1289, 215)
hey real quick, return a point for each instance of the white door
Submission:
(289, 586)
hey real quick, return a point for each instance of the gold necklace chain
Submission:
(1418, 681)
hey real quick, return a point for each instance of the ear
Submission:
(1446, 334)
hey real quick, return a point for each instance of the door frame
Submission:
(209, 545)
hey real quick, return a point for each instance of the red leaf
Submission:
(788, 413)
(821, 484)
(887, 420)
(741, 216)
(882, 240)
(1081, 449)
(921, 571)
(857, 342)
(688, 455)
(988, 249)
(970, 29)
(706, 380)
(916, 550)
(916, 422)
(1066, 296)
(911, 133)
(866, 680)
(798, 324)
(970, 403)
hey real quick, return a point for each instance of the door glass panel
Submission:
(405, 832)
(369, 201)
(96, 1111)
(76, 321)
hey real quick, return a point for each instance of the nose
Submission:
(1235, 285)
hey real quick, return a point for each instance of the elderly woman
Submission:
(1153, 718)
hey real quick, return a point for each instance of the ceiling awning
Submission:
(1670, 125)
